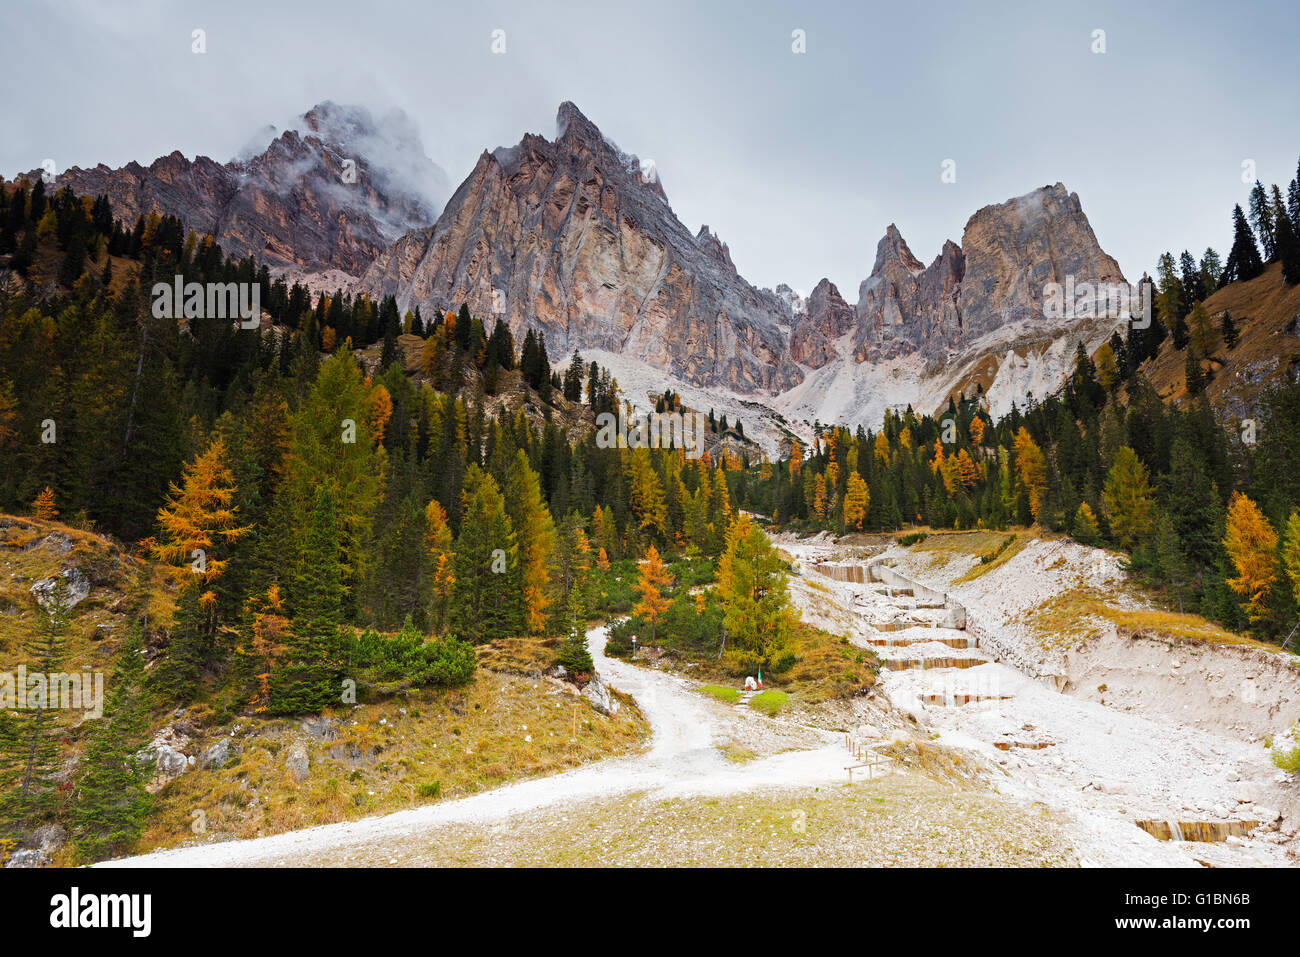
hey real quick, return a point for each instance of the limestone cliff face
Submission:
(1014, 249)
(291, 205)
(996, 278)
(572, 237)
(826, 317)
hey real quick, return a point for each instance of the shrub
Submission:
(690, 572)
(913, 538)
(619, 643)
(785, 663)
(430, 789)
(409, 656)
(612, 590)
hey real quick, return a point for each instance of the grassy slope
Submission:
(1261, 310)
(463, 740)
(1081, 610)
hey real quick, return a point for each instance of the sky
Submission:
(797, 160)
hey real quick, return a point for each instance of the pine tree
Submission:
(1193, 375)
(1084, 527)
(438, 544)
(1211, 270)
(752, 586)
(1250, 543)
(1244, 262)
(486, 600)
(1126, 499)
(534, 537)
(1291, 555)
(1202, 330)
(111, 805)
(1288, 247)
(1228, 329)
(1261, 218)
(1170, 301)
(647, 493)
(1031, 472)
(198, 525)
(29, 741)
(335, 444)
(856, 500)
(307, 679)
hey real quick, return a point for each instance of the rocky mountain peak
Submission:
(715, 247)
(572, 124)
(330, 193)
(572, 236)
(893, 248)
(827, 317)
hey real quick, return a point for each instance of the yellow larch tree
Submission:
(438, 546)
(44, 508)
(653, 580)
(1250, 542)
(198, 517)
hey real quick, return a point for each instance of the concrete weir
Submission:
(904, 664)
(1203, 831)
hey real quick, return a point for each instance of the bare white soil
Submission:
(1108, 731)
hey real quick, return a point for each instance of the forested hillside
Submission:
(309, 527)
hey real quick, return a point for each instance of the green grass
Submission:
(722, 693)
(1288, 761)
(769, 702)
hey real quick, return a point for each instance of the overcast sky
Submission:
(797, 161)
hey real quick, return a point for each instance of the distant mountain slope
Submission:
(1266, 313)
(570, 237)
(290, 205)
(974, 317)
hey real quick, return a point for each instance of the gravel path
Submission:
(684, 760)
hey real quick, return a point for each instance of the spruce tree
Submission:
(486, 600)
(29, 741)
(1228, 329)
(1261, 218)
(111, 804)
(1244, 262)
(1288, 249)
(308, 678)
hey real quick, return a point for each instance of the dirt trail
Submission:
(683, 761)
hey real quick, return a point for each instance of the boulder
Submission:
(297, 762)
(78, 587)
(600, 698)
(46, 839)
(321, 728)
(28, 858)
(169, 764)
(218, 754)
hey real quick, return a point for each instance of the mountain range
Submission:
(577, 238)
